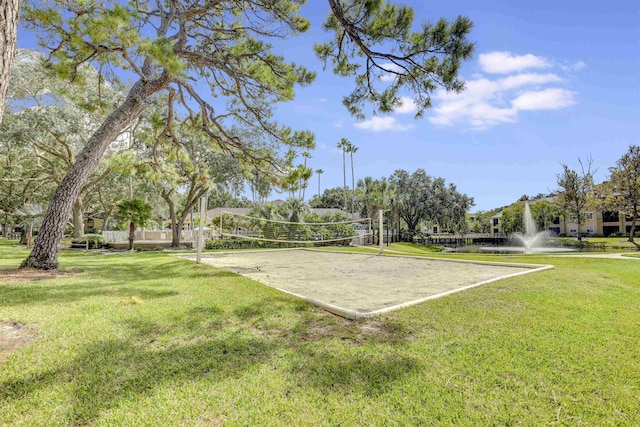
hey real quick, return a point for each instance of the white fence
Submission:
(142, 235)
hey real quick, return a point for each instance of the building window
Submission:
(495, 231)
(556, 220)
(590, 229)
(589, 216)
(573, 230)
(495, 221)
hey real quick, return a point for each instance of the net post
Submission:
(380, 233)
(203, 212)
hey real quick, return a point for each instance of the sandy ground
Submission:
(13, 335)
(359, 284)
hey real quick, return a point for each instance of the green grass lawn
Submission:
(618, 243)
(149, 339)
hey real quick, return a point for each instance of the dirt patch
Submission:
(13, 335)
(15, 275)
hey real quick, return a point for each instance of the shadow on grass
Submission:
(115, 280)
(203, 346)
(361, 372)
(38, 294)
(110, 371)
(202, 341)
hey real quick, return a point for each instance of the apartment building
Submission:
(596, 223)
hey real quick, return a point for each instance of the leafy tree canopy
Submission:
(214, 63)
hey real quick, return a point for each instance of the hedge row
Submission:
(251, 244)
(96, 241)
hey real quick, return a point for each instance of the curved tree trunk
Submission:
(105, 222)
(177, 238)
(9, 13)
(44, 254)
(77, 215)
(175, 231)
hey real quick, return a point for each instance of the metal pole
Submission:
(203, 212)
(380, 231)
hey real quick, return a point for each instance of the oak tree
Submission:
(179, 47)
(575, 193)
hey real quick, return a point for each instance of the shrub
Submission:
(251, 244)
(619, 234)
(570, 242)
(96, 241)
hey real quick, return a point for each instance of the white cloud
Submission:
(380, 124)
(389, 77)
(489, 101)
(572, 68)
(520, 80)
(505, 63)
(406, 106)
(548, 99)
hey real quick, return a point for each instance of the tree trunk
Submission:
(105, 222)
(44, 255)
(632, 232)
(9, 14)
(178, 234)
(344, 174)
(186, 211)
(175, 231)
(353, 187)
(78, 223)
(132, 234)
(579, 228)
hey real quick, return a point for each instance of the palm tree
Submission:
(319, 172)
(343, 145)
(351, 149)
(296, 210)
(305, 155)
(135, 212)
(377, 194)
(269, 212)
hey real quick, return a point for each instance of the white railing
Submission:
(115, 236)
(156, 235)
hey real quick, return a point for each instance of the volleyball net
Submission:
(240, 226)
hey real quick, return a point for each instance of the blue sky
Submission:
(550, 82)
